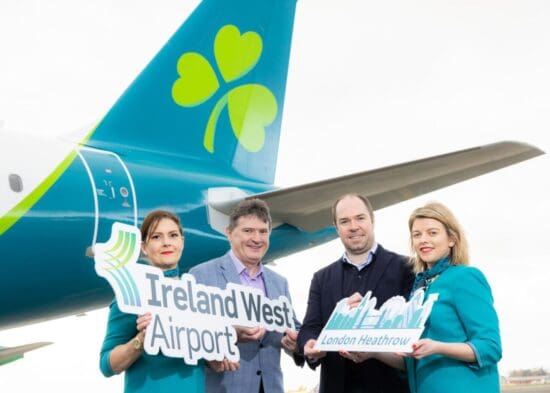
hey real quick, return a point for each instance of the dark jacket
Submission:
(391, 275)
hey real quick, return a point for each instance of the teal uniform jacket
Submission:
(152, 374)
(463, 313)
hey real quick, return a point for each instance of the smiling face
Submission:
(354, 226)
(164, 244)
(430, 240)
(249, 240)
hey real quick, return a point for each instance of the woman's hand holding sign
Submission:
(142, 322)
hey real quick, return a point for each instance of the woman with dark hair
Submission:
(122, 349)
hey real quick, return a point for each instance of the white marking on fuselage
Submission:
(32, 158)
(94, 187)
(94, 190)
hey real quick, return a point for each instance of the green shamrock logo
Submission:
(251, 107)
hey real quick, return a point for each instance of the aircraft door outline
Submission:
(112, 186)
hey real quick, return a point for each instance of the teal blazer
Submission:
(159, 374)
(463, 313)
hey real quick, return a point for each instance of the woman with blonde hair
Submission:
(460, 345)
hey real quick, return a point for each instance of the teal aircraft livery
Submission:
(195, 133)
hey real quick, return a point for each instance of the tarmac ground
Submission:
(526, 389)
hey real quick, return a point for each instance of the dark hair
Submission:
(250, 207)
(358, 196)
(151, 221)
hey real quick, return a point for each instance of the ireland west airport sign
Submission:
(190, 320)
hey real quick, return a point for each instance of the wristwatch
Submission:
(137, 344)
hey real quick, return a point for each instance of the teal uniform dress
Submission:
(151, 374)
(463, 313)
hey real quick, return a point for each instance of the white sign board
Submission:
(392, 328)
(190, 320)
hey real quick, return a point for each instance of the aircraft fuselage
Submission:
(47, 259)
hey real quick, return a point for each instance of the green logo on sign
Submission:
(251, 107)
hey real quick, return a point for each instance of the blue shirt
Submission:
(255, 281)
(367, 260)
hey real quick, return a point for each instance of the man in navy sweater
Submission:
(364, 266)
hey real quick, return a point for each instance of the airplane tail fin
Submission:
(213, 93)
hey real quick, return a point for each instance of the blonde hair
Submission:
(437, 211)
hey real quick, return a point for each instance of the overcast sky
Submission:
(370, 84)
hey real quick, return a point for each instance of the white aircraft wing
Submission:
(308, 206)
